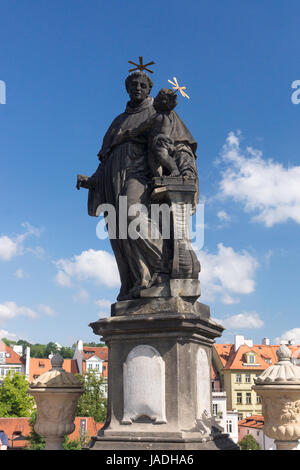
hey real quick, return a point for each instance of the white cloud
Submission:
(46, 310)
(20, 274)
(7, 335)
(243, 320)
(102, 314)
(103, 303)
(225, 273)
(289, 335)
(10, 310)
(13, 246)
(63, 279)
(81, 296)
(265, 187)
(223, 216)
(99, 266)
(8, 248)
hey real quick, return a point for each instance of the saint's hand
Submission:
(83, 182)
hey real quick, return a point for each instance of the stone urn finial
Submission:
(279, 388)
(283, 353)
(56, 393)
(57, 361)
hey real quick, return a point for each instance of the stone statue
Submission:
(148, 155)
(159, 336)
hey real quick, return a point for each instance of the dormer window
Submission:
(250, 359)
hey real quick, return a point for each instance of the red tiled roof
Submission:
(14, 357)
(38, 366)
(89, 351)
(214, 373)
(253, 421)
(232, 359)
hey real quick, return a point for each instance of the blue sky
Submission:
(64, 65)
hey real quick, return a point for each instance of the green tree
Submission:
(93, 401)
(8, 342)
(51, 348)
(38, 350)
(75, 444)
(35, 440)
(23, 343)
(249, 443)
(14, 400)
(66, 353)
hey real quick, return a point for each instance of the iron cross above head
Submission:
(141, 66)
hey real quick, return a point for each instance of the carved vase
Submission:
(56, 394)
(279, 388)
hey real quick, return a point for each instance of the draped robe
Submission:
(121, 166)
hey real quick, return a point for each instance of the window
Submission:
(239, 398)
(229, 426)
(257, 433)
(215, 409)
(247, 378)
(240, 416)
(258, 399)
(90, 366)
(2, 357)
(97, 366)
(238, 378)
(248, 398)
(251, 358)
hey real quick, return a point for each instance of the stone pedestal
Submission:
(159, 384)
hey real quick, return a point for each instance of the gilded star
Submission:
(176, 87)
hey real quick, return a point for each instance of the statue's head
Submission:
(166, 100)
(138, 86)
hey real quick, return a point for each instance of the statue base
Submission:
(159, 380)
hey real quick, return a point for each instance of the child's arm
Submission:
(122, 136)
(144, 126)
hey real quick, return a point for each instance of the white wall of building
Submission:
(228, 420)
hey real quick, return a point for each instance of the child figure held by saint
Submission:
(160, 128)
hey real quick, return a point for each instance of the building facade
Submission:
(238, 364)
(11, 360)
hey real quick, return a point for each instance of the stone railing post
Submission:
(279, 388)
(56, 393)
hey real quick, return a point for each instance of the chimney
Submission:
(265, 342)
(18, 349)
(239, 340)
(27, 362)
